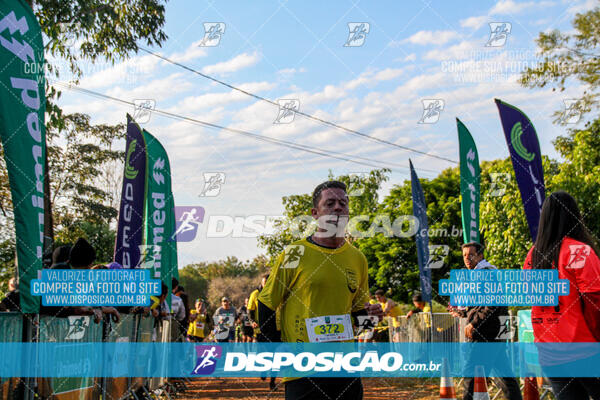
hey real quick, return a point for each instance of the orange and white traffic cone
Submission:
(530, 391)
(446, 383)
(480, 390)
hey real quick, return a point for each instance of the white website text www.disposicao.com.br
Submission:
(370, 361)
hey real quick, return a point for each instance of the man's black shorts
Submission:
(248, 331)
(324, 388)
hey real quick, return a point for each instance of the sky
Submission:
(302, 54)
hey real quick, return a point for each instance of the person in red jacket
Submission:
(564, 243)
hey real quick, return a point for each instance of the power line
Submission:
(309, 149)
(329, 123)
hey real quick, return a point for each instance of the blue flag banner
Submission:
(526, 157)
(130, 228)
(422, 236)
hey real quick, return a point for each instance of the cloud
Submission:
(410, 57)
(288, 72)
(133, 70)
(582, 6)
(460, 51)
(371, 78)
(512, 7)
(237, 63)
(474, 22)
(191, 53)
(157, 89)
(192, 104)
(432, 37)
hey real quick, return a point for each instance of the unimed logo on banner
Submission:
(207, 359)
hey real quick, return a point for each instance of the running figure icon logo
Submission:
(499, 32)
(293, 253)
(187, 220)
(432, 108)
(213, 181)
(287, 110)
(207, 359)
(358, 33)
(213, 31)
(579, 253)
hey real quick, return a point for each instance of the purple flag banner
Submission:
(422, 236)
(526, 157)
(130, 228)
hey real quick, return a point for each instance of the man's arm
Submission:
(271, 296)
(268, 323)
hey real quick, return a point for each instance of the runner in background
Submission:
(197, 322)
(564, 243)
(392, 310)
(224, 318)
(245, 323)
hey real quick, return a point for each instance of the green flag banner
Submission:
(161, 249)
(23, 134)
(469, 184)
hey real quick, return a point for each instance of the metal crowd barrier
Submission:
(80, 329)
(11, 330)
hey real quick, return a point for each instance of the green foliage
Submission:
(574, 55)
(100, 236)
(79, 31)
(84, 183)
(580, 174)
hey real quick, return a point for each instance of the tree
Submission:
(568, 56)
(83, 181)
(88, 30)
(78, 31)
(580, 173)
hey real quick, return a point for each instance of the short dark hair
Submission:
(316, 196)
(478, 246)
(61, 254)
(379, 292)
(417, 298)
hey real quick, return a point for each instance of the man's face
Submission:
(225, 303)
(470, 257)
(332, 211)
(379, 298)
(263, 282)
(418, 304)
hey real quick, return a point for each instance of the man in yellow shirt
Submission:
(321, 284)
(197, 322)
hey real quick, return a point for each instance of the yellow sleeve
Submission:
(253, 301)
(362, 295)
(278, 284)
